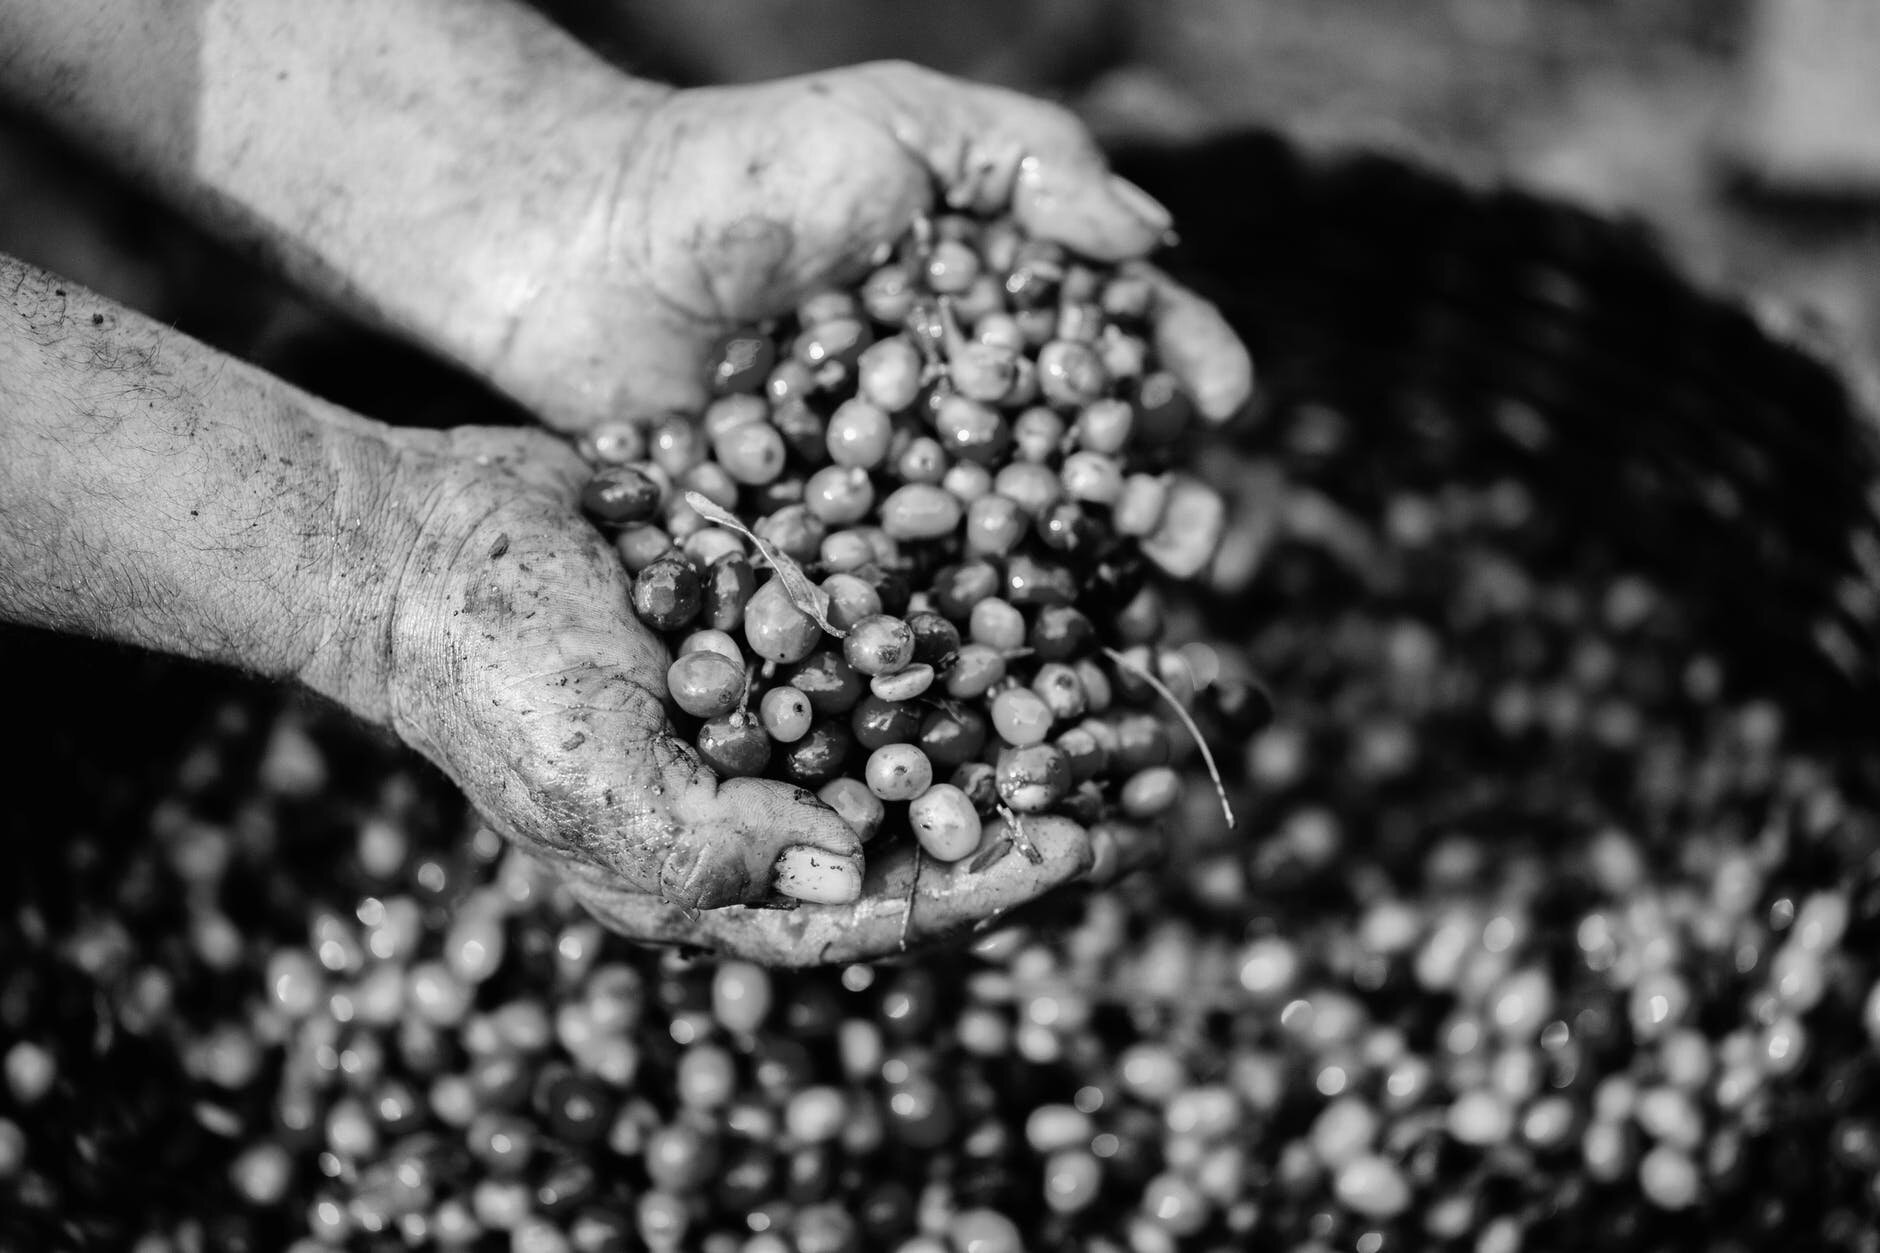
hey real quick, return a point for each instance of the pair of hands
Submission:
(515, 661)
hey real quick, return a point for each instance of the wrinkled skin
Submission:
(734, 203)
(521, 669)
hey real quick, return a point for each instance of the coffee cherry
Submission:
(920, 461)
(1033, 778)
(994, 525)
(936, 640)
(839, 496)
(877, 722)
(974, 671)
(997, 625)
(1029, 581)
(971, 430)
(1033, 488)
(620, 494)
(819, 756)
(1151, 793)
(1020, 716)
(667, 594)
(740, 362)
(752, 453)
(956, 589)
(786, 714)
(734, 745)
(858, 433)
(705, 684)
(1093, 478)
(888, 293)
(775, 628)
(794, 530)
(728, 586)
(1062, 633)
(920, 511)
(945, 822)
(950, 738)
(898, 772)
(1060, 689)
(829, 681)
(879, 645)
(1037, 434)
(888, 374)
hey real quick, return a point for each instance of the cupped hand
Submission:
(728, 205)
(517, 666)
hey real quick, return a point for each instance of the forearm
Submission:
(156, 493)
(352, 140)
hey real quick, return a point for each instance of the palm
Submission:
(525, 677)
(725, 206)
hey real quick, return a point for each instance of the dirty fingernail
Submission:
(1145, 207)
(808, 873)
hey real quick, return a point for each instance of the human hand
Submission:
(728, 205)
(515, 663)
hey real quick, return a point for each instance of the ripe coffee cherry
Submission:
(858, 434)
(936, 640)
(706, 684)
(973, 431)
(1021, 716)
(898, 772)
(830, 683)
(888, 374)
(619, 495)
(997, 624)
(1151, 793)
(957, 589)
(839, 495)
(1071, 374)
(877, 722)
(775, 628)
(951, 738)
(786, 714)
(1103, 426)
(667, 594)
(1036, 435)
(752, 453)
(740, 362)
(944, 821)
(1033, 778)
(728, 584)
(974, 671)
(879, 645)
(1061, 633)
(851, 598)
(819, 756)
(734, 745)
(1029, 581)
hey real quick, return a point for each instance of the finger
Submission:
(953, 900)
(991, 149)
(903, 905)
(754, 838)
(1199, 347)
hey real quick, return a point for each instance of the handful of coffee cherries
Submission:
(908, 557)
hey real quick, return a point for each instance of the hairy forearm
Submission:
(156, 493)
(351, 140)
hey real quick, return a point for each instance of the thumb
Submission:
(994, 150)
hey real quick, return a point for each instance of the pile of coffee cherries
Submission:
(903, 558)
